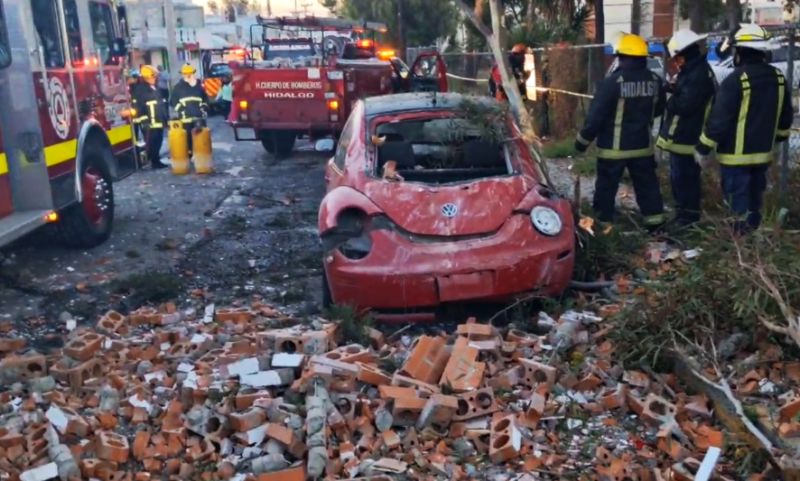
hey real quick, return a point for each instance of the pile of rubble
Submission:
(241, 394)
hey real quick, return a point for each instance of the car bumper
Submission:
(400, 273)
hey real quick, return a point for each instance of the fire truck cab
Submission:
(64, 135)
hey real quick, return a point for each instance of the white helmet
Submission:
(755, 37)
(682, 40)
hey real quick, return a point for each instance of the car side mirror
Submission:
(325, 145)
(119, 48)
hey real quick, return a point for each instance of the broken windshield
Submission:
(438, 151)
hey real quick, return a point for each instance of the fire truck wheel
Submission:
(284, 144)
(88, 223)
(267, 141)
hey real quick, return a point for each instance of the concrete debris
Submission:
(237, 393)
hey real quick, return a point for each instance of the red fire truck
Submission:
(64, 137)
(312, 73)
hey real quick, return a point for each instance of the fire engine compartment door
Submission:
(20, 120)
(22, 136)
(429, 73)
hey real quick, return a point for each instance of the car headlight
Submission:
(546, 220)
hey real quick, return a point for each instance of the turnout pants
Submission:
(686, 187)
(645, 183)
(744, 187)
(154, 137)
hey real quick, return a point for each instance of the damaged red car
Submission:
(433, 199)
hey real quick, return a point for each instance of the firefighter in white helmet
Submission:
(682, 123)
(752, 111)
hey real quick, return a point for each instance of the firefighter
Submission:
(151, 114)
(621, 119)
(516, 60)
(686, 112)
(752, 110)
(189, 100)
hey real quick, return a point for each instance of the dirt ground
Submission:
(250, 228)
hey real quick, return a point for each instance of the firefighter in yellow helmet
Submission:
(620, 119)
(516, 61)
(151, 114)
(189, 100)
(752, 111)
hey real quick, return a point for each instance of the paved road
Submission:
(248, 229)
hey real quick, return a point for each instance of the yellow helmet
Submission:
(632, 45)
(187, 69)
(148, 72)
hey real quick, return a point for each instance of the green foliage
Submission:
(562, 27)
(353, 326)
(560, 149)
(711, 297)
(489, 118)
(424, 21)
(607, 254)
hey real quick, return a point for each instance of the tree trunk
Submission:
(733, 13)
(636, 16)
(496, 40)
(599, 22)
(530, 16)
(696, 15)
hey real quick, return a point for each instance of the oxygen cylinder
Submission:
(201, 148)
(178, 148)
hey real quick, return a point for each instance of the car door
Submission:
(429, 73)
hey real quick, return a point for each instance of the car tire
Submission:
(88, 222)
(327, 298)
(284, 143)
(267, 140)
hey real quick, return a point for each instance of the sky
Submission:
(287, 7)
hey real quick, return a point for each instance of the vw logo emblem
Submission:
(449, 210)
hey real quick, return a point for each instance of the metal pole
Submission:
(172, 44)
(790, 91)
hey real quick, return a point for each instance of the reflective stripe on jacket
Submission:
(621, 114)
(752, 110)
(150, 106)
(189, 101)
(688, 108)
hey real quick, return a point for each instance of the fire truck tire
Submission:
(284, 144)
(88, 223)
(267, 141)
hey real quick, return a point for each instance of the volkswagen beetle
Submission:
(434, 198)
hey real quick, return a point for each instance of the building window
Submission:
(103, 32)
(45, 19)
(73, 32)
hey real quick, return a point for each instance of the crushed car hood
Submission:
(463, 209)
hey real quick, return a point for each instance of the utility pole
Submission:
(401, 29)
(172, 44)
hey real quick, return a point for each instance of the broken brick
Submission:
(506, 440)
(438, 410)
(83, 346)
(407, 410)
(112, 447)
(463, 372)
(427, 359)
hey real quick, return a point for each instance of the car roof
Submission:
(396, 103)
